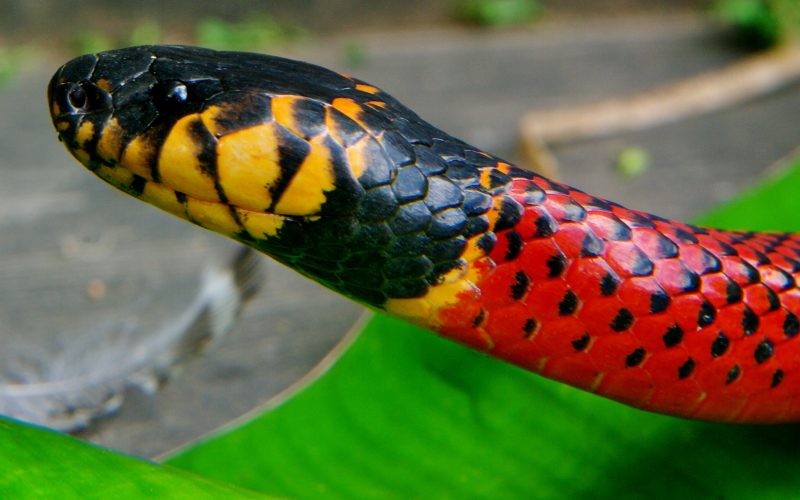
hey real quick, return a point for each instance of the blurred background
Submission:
(92, 279)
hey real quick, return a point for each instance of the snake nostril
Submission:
(77, 97)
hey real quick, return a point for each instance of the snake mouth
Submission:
(232, 221)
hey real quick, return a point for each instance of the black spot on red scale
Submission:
(673, 337)
(774, 301)
(641, 220)
(761, 258)
(552, 186)
(688, 280)
(753, 276)
(529, 327)
(591, 246)
(510, 214)
(568, 304)
(733, 292)
(515, 244)
(750, 321)
(634, 358)
(696, 229)
(597, 203)
(720, 345)
(581, 343)
(659, 301)
(764, 351)
(545, 226)
(686, 369)
(710, 263)
(777, 378)
(791, 325)
(724, 248)
(534, 195)
(608, 285)
(706, 315)
(664, 248)
(622, 321)
(555, 264)
(683, 236)
(640, 265)
(788, 281)
(520, 287)
(571, 211)
(616, 229)
(733, 374)
(479, 318)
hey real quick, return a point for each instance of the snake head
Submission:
(321, 171)
(256, 132)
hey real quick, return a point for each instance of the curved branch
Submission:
(740, 81)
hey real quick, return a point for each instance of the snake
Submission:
(339, 181)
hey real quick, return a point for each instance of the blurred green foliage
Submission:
(13, 60)
(256, 34)
(633, 161)
(762, 23)
(146, 33)
(355, 54)
(89, 42)
(499, 12)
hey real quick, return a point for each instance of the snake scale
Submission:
(336, 179)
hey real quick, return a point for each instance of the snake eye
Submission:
(77, 97)
(170, 95)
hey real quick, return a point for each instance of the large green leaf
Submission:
(404, 414)
(38, 463)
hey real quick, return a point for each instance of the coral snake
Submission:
(339, 181)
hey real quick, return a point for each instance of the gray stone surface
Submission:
(473, 85)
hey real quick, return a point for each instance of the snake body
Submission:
(339, 181)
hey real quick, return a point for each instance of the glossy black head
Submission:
(139, 85)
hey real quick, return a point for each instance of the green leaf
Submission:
(38, 463)
(773, 205)
(405, 414)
